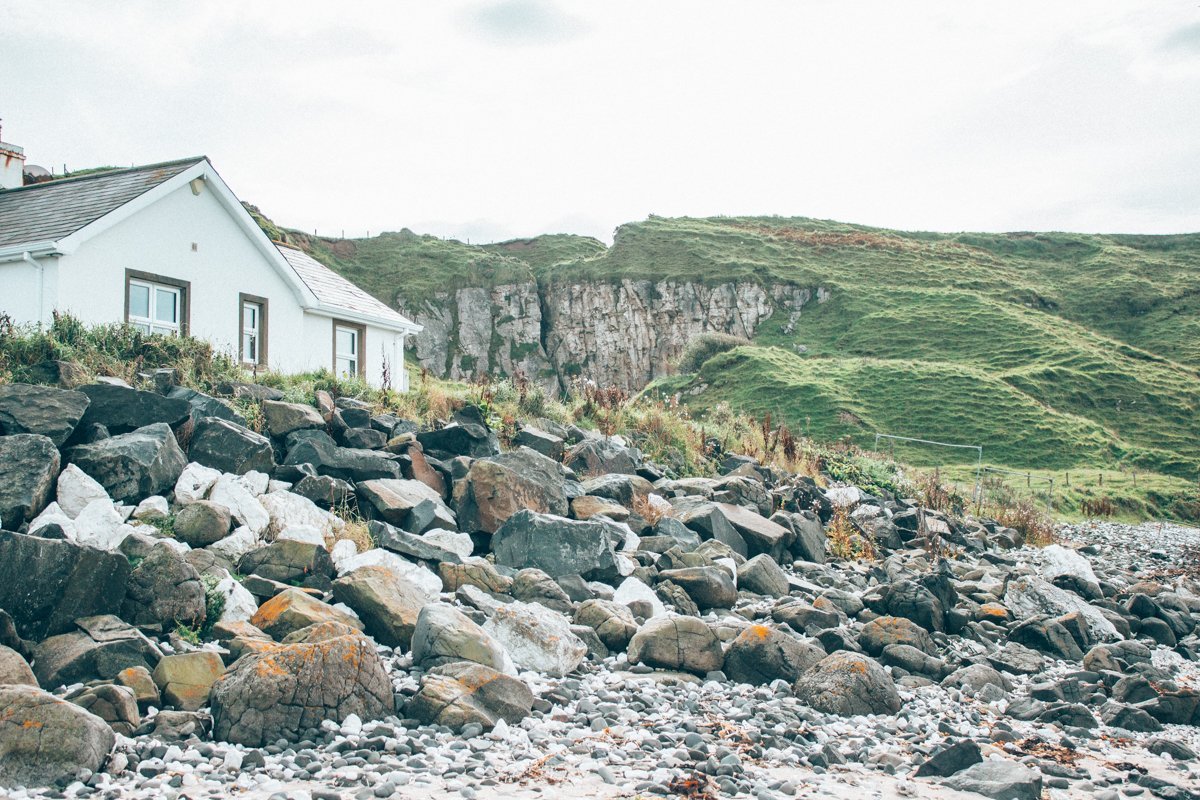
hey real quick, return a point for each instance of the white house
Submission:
(169, 249)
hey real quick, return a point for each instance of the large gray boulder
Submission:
(230, 447)
(761, 654)
(443, 634)
(164, 590)
(762, 575)
(612, 622)
(202, 523)
(496, 488)
(44, 739)
(98, 648)
(468, 434)
(463, 693)
(602, 456)
(345, 463)
(408, 504)
(679, 643)
(14, 668)
(133, 466)
(289, 690)
(122, 409)
(283, 418)
(709, 587)
(999, 780)
(29, 464)
(848, 684)
(46, 584)
(536, 638)
(387, 604)
(557, 546)
(53, 413)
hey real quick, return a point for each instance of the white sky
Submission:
(489, 120)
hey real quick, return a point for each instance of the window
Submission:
(252, 347)
(348, 343)
(156, 304)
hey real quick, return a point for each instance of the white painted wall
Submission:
(25, 295)
(12, 167)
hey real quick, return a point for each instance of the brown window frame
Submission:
(362, 345)
(185, 295)
(264, 317)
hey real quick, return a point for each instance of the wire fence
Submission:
(998, 482)
(975, 495)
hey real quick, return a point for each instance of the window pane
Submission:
(166, 305)
(250, 316)
(347, 366)
(141, 326)
(164, 330)
(347, 342)
(250, 348)
(139, 301)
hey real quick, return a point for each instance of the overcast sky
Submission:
(491, 120)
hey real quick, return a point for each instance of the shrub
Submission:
(704, 347)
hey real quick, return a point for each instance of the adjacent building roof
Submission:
(334, 290)
(50, 211)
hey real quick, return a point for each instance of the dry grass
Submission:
(846, 541)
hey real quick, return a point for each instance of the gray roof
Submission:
(53, 210)
(334, 290)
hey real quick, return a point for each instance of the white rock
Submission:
(352, 725)
(1058, 560)
(194, 483)
(301, 533)
(1029, 595)
(255, 482)
(233, 760)
(287, 510)
(843, 495)
(536, 638)
(179, 547)
(232, 493)
(415, 574)
(99, 525)
(633, 589)
(342, 549)
(277, 486)
(51, 514)
(236, 544)
(240, 605)
(152, 508)
(459, 543)
(76, 489)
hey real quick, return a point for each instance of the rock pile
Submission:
(183, 604)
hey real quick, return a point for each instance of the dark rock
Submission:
(949, 760)
(230, 447)
(547, 444)
(44, 739)
(203, 405)
(288, 561)
(1048, 637)
(999, 780)
(496, 488)
(1119, 715)
(29, 465)
(466, 438)
(409, 504)
(348, 464)
(1069, 715)
(709, 587)
(707, 519)
(49, 412)
(202, 523)
(762, 575)
(99, 647)
(761, 654)
(121, 409)
(602, 456)
(164, 590)
(910, 659)
(557, 546)
(283, 418)
(135, 465)
(326, 492)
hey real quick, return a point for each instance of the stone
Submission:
(762, 575)
(152, 509)
(625, 490)
(467, 435)
(140, 681)
(612, 622)
(974, 677)
(633, 591)
(99, 647)
(410, 545)
(547, 444)
(203, 405)
(534, 586)
(496, 488)
(230, 447)
(122, 409)
(29, 465)
(474, 572)
(46, 584)
(677, 643)
(408, 504)
(910, 600)
(345, 463)
(1131, 718)
(287, 510)
(43, 410)
(116, 705)
(186, 679)
(202, 523)
(443, 634)
(288, 561)
(557, 546)
(44, 739)
(176, 726)
(388, 605)
(285, 691)
(134, 465)
(282, 418)
(194, 483)
(950, 759)
(419, 576)
(15, 669)
(602, 456)
(706, 519)
(164, 590)
(810, 542)
(1030, 596)
(999, 780)
(848, 684)
(1068, 569)
(76, 490)
(536, 638)
(761, 654)
(464, 693)
(882, 631)
(912, 660)
(760, 534)
(326, 492)
(588, 506)
(1016, 658)
(709, 587)
(99, 525)
(292, 610)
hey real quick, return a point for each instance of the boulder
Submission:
(186, 679)
(29, 464)
(293, 610)
(100, 525)
(14, 668)
(882, 631)
(467, 435)
(761, 654)
(289, 690)
(1030, 596)
(230, 447)
(627, 490)
(46, 584)
(44, 410)
(587, 506)
(203, 405)
(534, 586)
(416, 574)
(202, 523)
(133, 465)
(345, 463)
(762, 575)
(612, 622)
(388, 605)
(547, 444)
(443, 634)
(140, 681)
(122, 409)
(496, 488)
(477, 572)
(282, 418)
(557, 546)
(116, 705)
(709, 587)
(466, 693)
(536, 638)
(289, 510)
(326, 492)
(76, 490)
(44, 739)
(848, 684)
(999, 780)
(289, 561)
(677, 643)
(760, 534)
(950, 759)
(99, 647)
(408, 504)
(164, 590)
(810, 542)
(706, 519)
(602, 456)
(910, 600)
(418, 548)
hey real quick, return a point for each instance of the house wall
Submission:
(26, 296)
(381, 345)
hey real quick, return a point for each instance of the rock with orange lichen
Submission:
(289, 690)
(677, 642)
(44, 738)
(458, 694)
(761, 654)
(882, 631)
(292, 609)
(848, 684)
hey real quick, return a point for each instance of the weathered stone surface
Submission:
(202, 523)
(761, 654)
(44, 739)
(164, 590)
(292, 610)
(288, 561)
(848, 684)
(760, 534)
(463, 693)
(346, 463)
(121, 409)
(286, 691)
(140, 681)
(556, 545)
(1030, 596)
(203, 405)
(999, 780)
(762, 575)
(547, 444)
(496, 488)
(408, 504)
(15, 669)
(186, 679)
(706, 519)
(627, 490)
(443, 634)
(677, 642)
(709, 587)
(810, 542)
(536, 638)
(879, 633)
(387, 605)
(230, 447)
(46, 584)
(99, 647)
(133, 465)
(410, 545)
(29, 464)
(613, 622)
(588, 506)
(474, 572)
(284, 418)
(53, 413)
(602, 456)
(114, 704)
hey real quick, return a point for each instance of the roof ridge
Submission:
(108, 173)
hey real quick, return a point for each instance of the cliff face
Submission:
(625, 332)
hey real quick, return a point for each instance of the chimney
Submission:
(12, 165)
